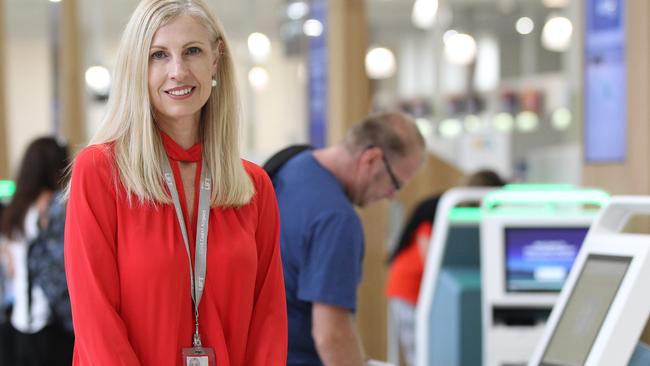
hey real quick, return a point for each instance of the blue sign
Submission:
(318, 77)
(605, 82)
(605, 15)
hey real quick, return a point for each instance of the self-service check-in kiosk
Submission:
(605, 303)
(448, 314)
(530, 237)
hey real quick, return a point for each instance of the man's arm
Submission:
(336, 337)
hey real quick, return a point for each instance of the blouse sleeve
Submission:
(91, 263)
(267, 335)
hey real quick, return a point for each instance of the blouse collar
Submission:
(176, 151)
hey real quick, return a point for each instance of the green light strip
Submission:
(7, 188)
(541, 212)
(539, 187)
(465, 214)
(520, 197)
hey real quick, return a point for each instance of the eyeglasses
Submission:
(391, 174)
(393, 178)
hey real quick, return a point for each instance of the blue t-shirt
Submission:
(321, 240)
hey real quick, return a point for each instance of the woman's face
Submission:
(182, 61)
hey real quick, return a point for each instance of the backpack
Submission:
(275, 162)
(46, 265)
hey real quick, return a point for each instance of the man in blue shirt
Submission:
(321, 235)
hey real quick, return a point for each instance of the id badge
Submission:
(199, 356)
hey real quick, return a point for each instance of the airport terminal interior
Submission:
(550, 268)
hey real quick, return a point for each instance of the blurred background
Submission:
(467, 69)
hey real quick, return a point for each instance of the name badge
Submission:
(199, 356)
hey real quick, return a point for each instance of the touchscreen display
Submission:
(540, 259)
(585, 311)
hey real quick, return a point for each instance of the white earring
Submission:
(214, 83)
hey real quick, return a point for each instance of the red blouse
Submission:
(129, 281)
(405, 273)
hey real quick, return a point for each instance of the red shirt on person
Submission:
(405, 273)
(128, 271)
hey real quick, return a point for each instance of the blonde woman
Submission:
(172, 241)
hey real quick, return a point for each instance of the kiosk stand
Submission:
(605, 304)
(530, 237)
(448, 314)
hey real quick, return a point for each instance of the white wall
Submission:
(28, 93)
(27, 75)
(416, 62)
(556, 164)
(276, 116)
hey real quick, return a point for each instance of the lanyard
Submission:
(197, 276)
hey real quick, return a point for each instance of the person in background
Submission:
(39, 336)
(406, 264)
(6, 333)
(322, 236)
(172, 241)
(5, 261)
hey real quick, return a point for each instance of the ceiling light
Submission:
(259, 47)
(258, 77)
(380, 63)
(450, 128)
(525, 25)
(297, 9)
(424, 13)
(460, 49)
(556, 35)
(561, 119)
(98, 79)
(503, 122)
(472, 123)
(312, 28)
(527, 121)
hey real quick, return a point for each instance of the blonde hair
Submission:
(129, 122)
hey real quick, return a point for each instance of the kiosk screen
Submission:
(539, 259)
(585, 310)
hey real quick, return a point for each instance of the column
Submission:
(348, 102)
(348, 86)
(70, 86)
(4, 146)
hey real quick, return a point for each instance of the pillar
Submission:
(70, 79)
(4, 146)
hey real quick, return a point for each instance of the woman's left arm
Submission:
(267, 334)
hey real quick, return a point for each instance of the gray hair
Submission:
(394, 133)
